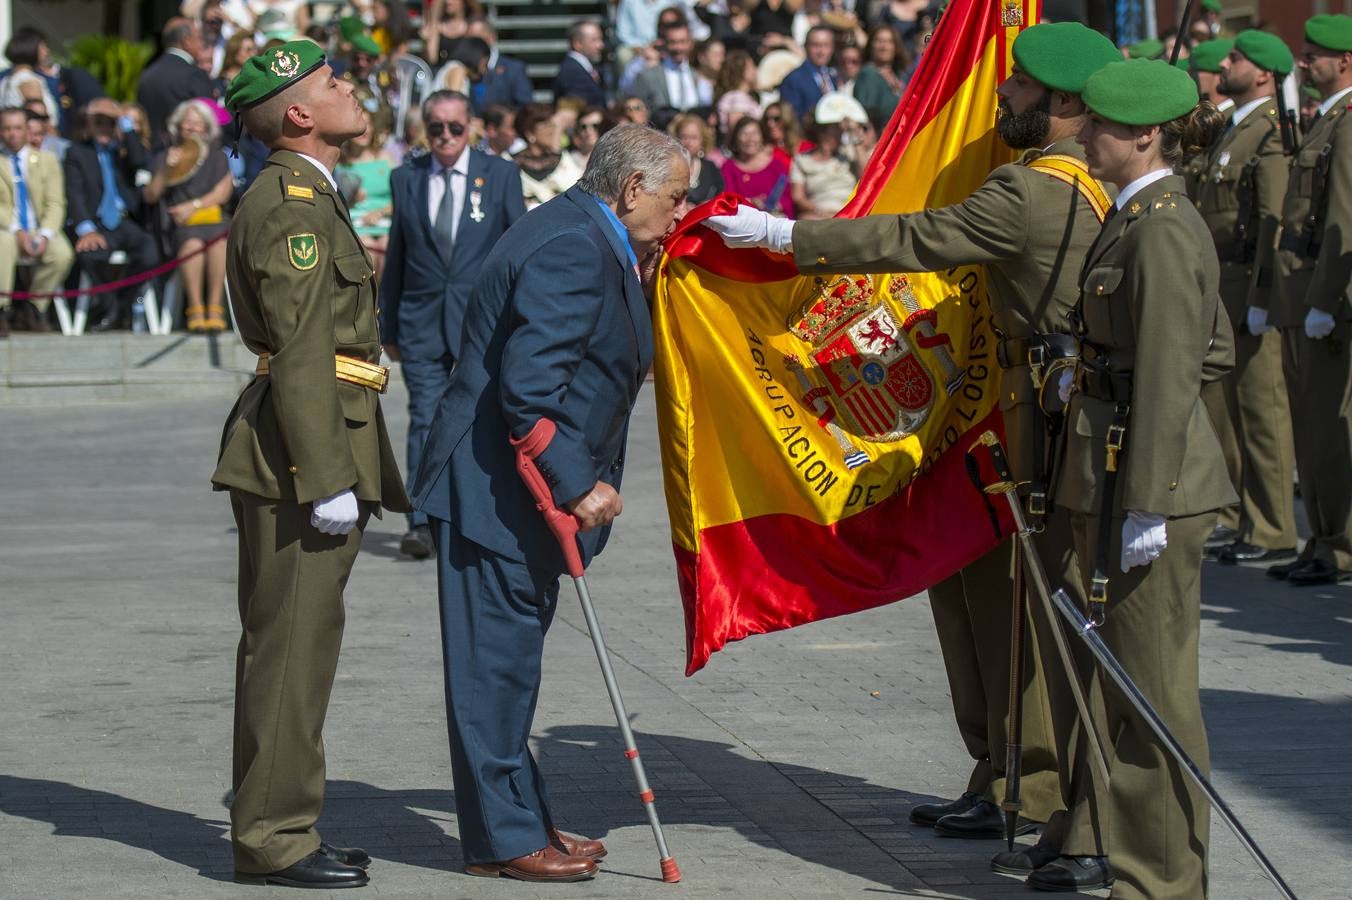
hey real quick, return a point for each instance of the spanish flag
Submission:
(814, 429)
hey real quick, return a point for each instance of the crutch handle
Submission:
(561, 522)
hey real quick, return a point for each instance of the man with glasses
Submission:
(450, 208)
(104, 200)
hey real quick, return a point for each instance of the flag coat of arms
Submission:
(814, 429)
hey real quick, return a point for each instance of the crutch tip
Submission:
(670, 873)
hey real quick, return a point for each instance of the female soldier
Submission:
(1144, 475)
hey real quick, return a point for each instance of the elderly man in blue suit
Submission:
(557, 328)
(450, 208)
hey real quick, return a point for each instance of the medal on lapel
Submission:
(475, 199)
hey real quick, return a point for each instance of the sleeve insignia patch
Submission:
(303, 251)
(296, 190)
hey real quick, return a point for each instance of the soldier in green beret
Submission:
(1206, 68)
(370, 82)
(1239, 194)
(305, 457)
(1309, 304)
(1143, 479)
(1031, 223)
(1150, 48)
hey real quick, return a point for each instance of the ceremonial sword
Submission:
(1086, 631)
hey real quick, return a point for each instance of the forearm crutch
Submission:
(565, 527)
(1086, 631)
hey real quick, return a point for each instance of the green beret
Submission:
(1212, 6)
(1266, 51)
(1330, 32)
(269, 73)
(1183, 62)
(1062, 55)
(351, 26)
(1150, 48)
(1140, 92)
(363, 44)
(1207, 56)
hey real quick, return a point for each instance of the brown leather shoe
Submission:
(545, 864)
(574, 845)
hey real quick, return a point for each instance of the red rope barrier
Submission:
(119, 283)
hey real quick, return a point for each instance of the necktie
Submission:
(110, 207)
(21, 195)
(825, 78)
(444, 226)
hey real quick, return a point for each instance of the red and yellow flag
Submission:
(814, 429)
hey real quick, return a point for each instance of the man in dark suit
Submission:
(504, 81)
(671, 84)
(578, 75)
(558, 329)
(805, 85)
(103, 199)
(450, 208)
(173, 77)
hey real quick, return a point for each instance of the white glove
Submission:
(751, 227)
(1318, 324)
(1066, 385)
(1143, 539)
(1257, 321)
(336, 514)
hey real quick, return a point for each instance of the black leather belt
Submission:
(1035, 350)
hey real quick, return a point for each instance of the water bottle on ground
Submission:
(138, 316)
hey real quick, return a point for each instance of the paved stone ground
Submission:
(778, 771)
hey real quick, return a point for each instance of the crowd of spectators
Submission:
(781, 101)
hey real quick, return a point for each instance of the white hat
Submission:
(838, 106)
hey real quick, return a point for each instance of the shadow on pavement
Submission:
(1312, 619)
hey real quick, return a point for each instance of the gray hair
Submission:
(627, 149)
(203, 112)
(442, 96)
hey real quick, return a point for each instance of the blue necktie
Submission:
(110, 207)
(21, 194)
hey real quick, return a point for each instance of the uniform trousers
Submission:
(49, 269)
(1155, 824)
(1252, 418)
(291, 580)
(971, 611)
(1319, 383)
(426, 380)
(495, 613)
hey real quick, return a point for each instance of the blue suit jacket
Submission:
(801, 89)
(505, 83)
(557, 328)
(574, 81)
(423, 294)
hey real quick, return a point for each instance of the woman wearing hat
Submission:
(1144, 473)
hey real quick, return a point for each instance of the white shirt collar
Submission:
(182, 54)
(1144, 181)
(1242, 112)
(460, 167)
(493, 58)
(1226, 105)
(1333, 101)
(582, 60)
(321, 167)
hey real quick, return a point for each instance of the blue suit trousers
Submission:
(495, 613)
(426, 380)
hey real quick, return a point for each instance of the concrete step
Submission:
(50, 369)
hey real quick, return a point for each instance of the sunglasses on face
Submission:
(586, 126)
(772, 120)
(437, 129)
(105, 121)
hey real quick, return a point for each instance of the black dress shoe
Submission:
(1317, 571)
(1283, 570)
(1219, 537)
(984, 820)
(348, 856)
(1242, 551)
(1070, 874)
(418, 543)
(1023, 861)
(314, 871)
(929, 813)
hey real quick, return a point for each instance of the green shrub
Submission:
(115, 62)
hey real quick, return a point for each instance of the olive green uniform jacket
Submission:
(1239, 192)
(302, 290)
(1032, 232)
